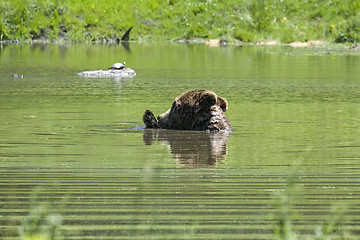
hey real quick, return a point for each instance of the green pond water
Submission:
(74, 149)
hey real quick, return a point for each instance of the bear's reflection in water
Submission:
(191, 148)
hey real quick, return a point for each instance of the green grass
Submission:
(249, 21)
(40, 224)
(286, 216)
(43, 223)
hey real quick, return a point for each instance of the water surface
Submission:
(77, 146)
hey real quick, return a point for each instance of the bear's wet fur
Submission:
(193, 110)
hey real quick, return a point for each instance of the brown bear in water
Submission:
(192, 110)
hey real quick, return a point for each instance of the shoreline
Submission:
(220, 42)
(98, 21)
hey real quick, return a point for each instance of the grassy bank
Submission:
(244, 20)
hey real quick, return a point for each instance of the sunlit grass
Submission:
(40, 224)
(44, 223)
(248, 21)
(286, 216)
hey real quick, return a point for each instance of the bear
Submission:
(197, 110)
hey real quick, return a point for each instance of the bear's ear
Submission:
(222, 103)
(208, 99)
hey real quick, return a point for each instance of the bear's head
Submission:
(196, 110)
